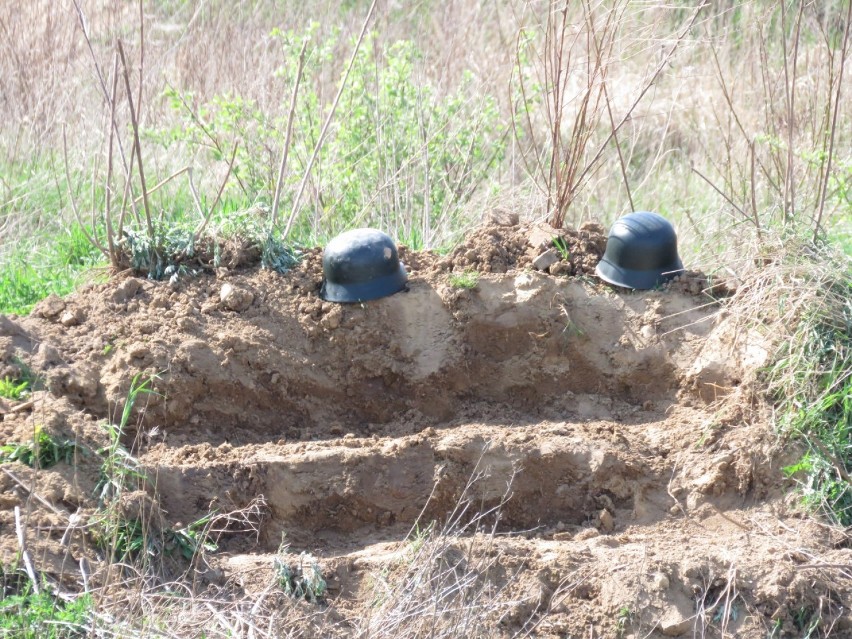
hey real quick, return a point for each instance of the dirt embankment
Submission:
(614, 431)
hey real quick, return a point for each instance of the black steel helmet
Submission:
(361, 265)
(641, 252)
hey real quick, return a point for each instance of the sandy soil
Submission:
(619, 437)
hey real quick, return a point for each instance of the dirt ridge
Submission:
(615, 433)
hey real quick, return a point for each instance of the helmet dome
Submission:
(641, 252)
(361, 265)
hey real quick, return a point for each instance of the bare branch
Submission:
(291, 116)
(328, 120)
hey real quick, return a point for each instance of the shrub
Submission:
(399, 155)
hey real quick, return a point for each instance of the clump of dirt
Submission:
(630, 473)
(501, 248)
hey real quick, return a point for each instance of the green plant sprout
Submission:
(304, 580)
(562, 246)
(13, 389)
(43, 451)
(622, 619)
(465, 280)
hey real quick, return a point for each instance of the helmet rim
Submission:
(374, 289)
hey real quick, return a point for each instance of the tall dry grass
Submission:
(727, 121)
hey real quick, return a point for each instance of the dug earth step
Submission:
(539, 475)
(596, 462)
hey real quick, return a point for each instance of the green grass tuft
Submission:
(811, 379)
(52, 262)
(465, 280)
(43, 451)
(42, 616)
(13, 388)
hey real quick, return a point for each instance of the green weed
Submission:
(43, 451)
(807, 621)
(562, 246)
(191, 539)
(302, 581)
(121, 536)
(42, 616)
(811, 380)
(120, 467)
(465, 280)
(124, 539)
(13, 388)
(161, 255)
(132, 537)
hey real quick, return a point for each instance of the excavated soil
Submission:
(632, 480)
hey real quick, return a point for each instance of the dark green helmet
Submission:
(641, 252)
(361, 265)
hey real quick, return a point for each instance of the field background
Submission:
(725, 118)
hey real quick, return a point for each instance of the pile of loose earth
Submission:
(629, 480)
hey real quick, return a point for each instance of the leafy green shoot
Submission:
(43, 451)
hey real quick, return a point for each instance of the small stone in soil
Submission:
(546, 259)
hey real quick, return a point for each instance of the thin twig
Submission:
(92, 239)
(163, 182)
(208, 217)
(22, 542)
(609, 111)
(39, 498)
(720, 192)
(790, 86)
(291, 116)
(196, 118)
(135, 124)
(848, 27)
(665, 61)
(141, 64)
(128, 167)
(328, 120)
(113, 254)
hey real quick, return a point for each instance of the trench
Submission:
(512, 395)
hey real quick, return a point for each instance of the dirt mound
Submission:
(499, 249)
(632, 481)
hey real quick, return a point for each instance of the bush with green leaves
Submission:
(400, 153)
